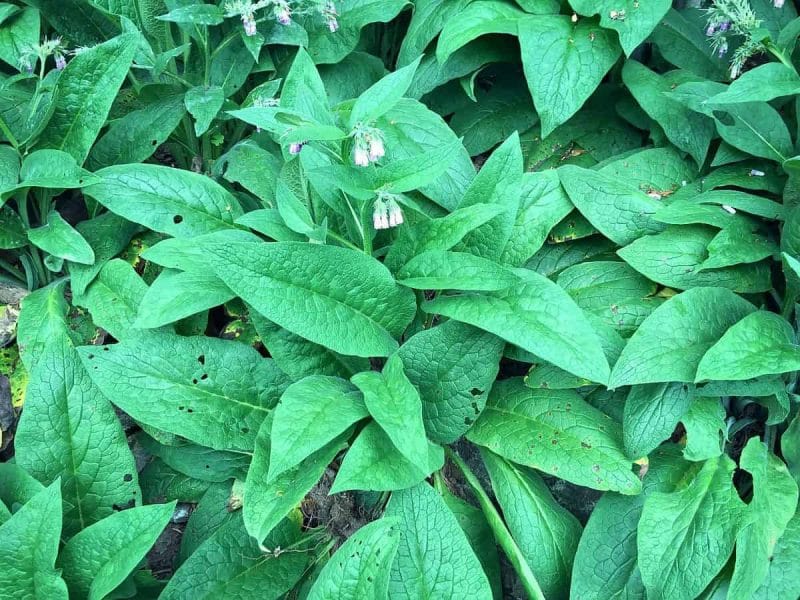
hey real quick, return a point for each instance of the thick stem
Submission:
(500, 531)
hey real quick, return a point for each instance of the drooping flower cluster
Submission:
(38, 54)
(367, 146)
(246, 10)
(386, 211)
(735, 17)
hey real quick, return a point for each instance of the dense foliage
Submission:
(418, 299)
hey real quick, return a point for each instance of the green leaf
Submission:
(547, 534)
(705, 429)
(20, 31)
(175, 295)
(12, 230)
(396, 406)
(688, 130)
(686, 537)
(670, 343)
(675, 258)
(618, 210)
(311, 413)
(211, 513)
(557, 432)
(429, 17)
(268, 500)
(231, 564)
(304, 92)
(195, 14)
(172, 201)
(443, 270)
(765, 82)
(373, 463)
(496, 184)
(114, 298)
(51, 169)
(681, 39)
(337, 297)
(136, 136)
(68, 431)
(298, 358)
(381, 97)
(762, 343)
(100, 557)
(204, 103)
(42, 320)
(410, 129)
(60, 239)
(632, 20)
(534, 316)
(606, 560)
(360, 568)
(474, 20)
(774, 503)
(84, 94)
(211, 391)
(17, 487)
(108, 235)
(434, 559)
(28, 549)
(613, 291)
(782, 581)
(651, 414)
(453, 365)
(564, 63)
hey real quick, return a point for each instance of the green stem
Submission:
(500, 531)
(9, 136)
(776, 52)
(13, 271)
(343, 241)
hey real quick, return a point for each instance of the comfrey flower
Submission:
(295, 147)
(61, 62)
(368, 145)
(282, 12)
(246, 9)
(756, 173)
(386, 212)
(778, 4)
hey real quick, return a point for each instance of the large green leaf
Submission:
(685, 537)
(99, 558)
(84, 94)
(688, 130)
(546, 533)
(606, 561)
(762, 343)
(68, 431)
(311, 413)
(336, 297)
(670, 343)
(231, 564)
(114, 297)
(268, 501)
(374, 463)
(394, 403)
(774, 503)
(537, 316)
(618, 210)
(172, 201)
(557, 432)
(361, 566)
(632, 20)
(211, 391)
(651, 413)
(474, 20)
(453, 365)
(434, 559)
(564, 63)
(28, 549)
(60, 239)
(782, 581)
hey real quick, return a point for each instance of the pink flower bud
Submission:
(295, 147)
(61, 62)
(249, 23)
(711, 29)
(333, 24)
(283, 14)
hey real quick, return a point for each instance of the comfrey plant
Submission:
(355, 300)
